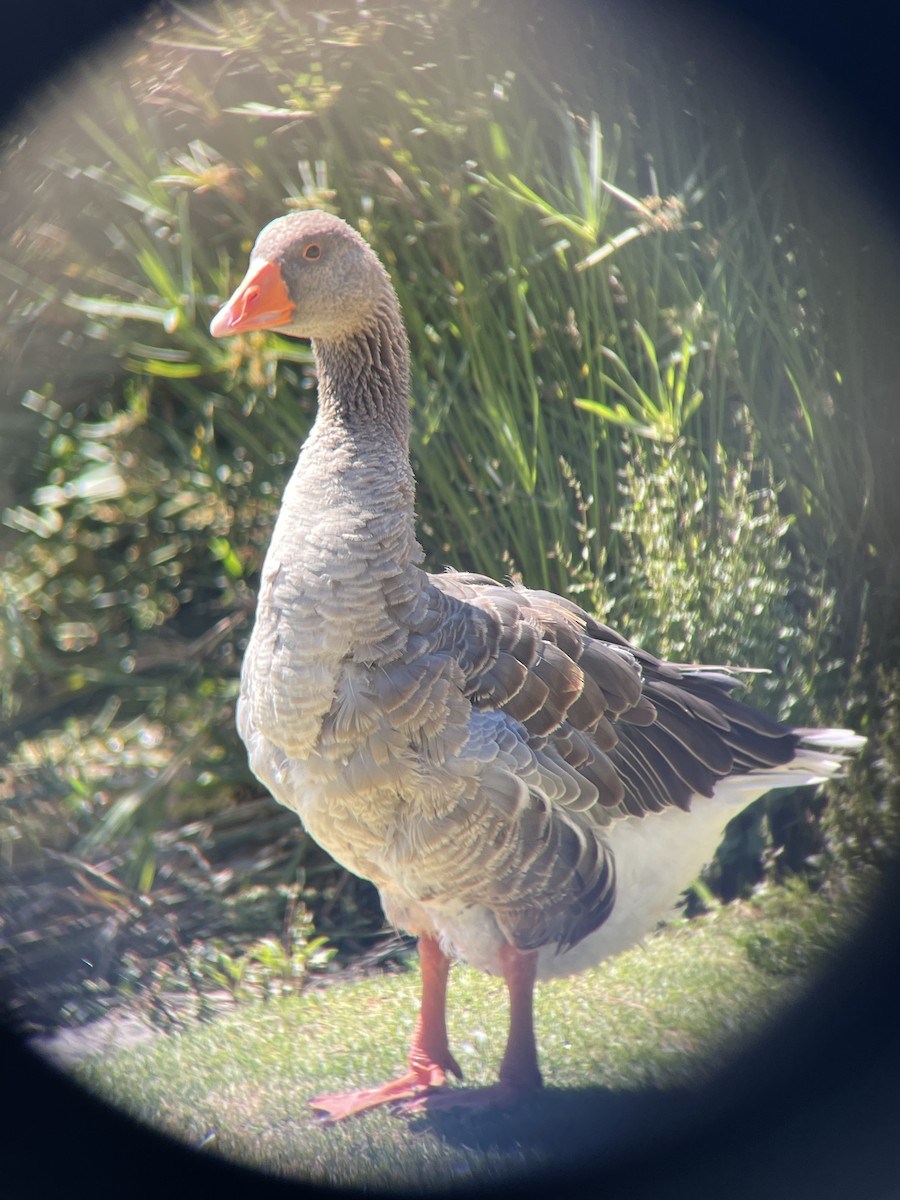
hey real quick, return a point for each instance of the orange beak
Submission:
(259, 302)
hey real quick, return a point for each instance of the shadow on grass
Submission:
(568, 1126)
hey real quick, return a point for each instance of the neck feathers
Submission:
(364, 377)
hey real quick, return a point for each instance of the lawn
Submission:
(624, 1049)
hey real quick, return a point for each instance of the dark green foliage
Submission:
(863, 825)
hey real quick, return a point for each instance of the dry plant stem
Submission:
(429, 1053)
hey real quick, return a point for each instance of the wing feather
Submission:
(595, 730)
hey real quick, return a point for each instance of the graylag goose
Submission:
(528, 791)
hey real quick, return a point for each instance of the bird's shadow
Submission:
(567, 1125)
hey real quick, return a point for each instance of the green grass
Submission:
(652, 1023)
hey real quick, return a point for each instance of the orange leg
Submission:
(519, 1072)
(519, 1068)
(429, 1054)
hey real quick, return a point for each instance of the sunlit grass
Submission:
(648, 1025)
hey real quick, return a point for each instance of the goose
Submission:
(528, 791)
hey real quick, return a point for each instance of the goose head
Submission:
(310, 276)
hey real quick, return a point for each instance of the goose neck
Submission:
(364, 377)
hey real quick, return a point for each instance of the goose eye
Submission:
(313, 251)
